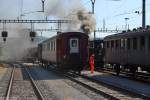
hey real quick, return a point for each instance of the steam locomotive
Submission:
(96, 47)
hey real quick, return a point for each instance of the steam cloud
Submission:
(81, 19)
(16, 47)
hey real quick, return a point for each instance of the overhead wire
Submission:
(129, 12)
(132, 11)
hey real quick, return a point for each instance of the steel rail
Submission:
(110, 97)
(142, 77)
(101, 83)
(10, 84)
(39, 94)
(147, 97)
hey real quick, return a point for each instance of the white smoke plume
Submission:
(16, 47)
(74, 10)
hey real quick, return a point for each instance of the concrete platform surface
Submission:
(131, 85)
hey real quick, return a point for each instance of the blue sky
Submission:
(114, 12)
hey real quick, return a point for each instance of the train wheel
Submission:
(133, 70)
(79, 72)
(117, 69)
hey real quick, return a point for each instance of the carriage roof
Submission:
(128, 34)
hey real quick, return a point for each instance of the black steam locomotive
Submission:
(96, 47)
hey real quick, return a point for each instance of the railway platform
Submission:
(122, 83)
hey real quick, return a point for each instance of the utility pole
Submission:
(93, 4)
(43, 1)
(104, 24)
(143, 13)
(126, 24)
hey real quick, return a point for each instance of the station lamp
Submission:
(4, 32)
(4, 35)
(32, 33)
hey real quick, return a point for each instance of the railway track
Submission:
(119, 88)
(106, 91)
(38, 83)
(32, 88)
(139, 76)
(39, 93)
(10, 84)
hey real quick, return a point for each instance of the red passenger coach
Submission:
(68, 50)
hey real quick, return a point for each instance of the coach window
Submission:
(122, 43)
(54, 45)
(128, 43)
(142, 42)
(119, 42)
(116, 43)
(107, 44)
(125, 43)
(74, 47)
(48, 46)
(112, 44)
(134, 43)
(45, 46)
(149, 42)
(51, 46)
(92, 44)
(74, 43)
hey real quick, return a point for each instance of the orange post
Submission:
(92, 63)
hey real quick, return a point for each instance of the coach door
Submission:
(74, 45)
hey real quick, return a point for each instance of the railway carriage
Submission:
(129, 49)
(68, 50)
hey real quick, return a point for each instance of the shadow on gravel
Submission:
(24, 74)
(40, 74)
(5, 65)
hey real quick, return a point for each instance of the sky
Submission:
(113, 12)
